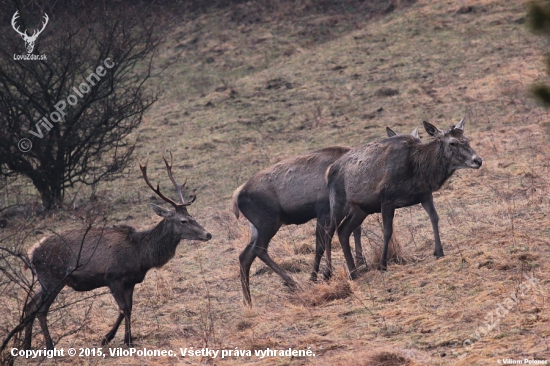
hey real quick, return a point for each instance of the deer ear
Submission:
(415, 133)
(460, 125)
(161, 211)
(432, 130)
(390, 132)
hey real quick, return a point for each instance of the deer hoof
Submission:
(355, 274)
(290, 285)
(107, 339)
(247, 301)
(361, 270)
(382, 268)
(313, 277)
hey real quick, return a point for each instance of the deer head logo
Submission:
(29, 40)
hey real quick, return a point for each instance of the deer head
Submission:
(182, 222)
(456, 146)
(29, 40)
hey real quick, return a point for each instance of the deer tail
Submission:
(30, 253)
(236, 210)
(327, 172)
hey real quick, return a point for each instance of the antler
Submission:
(179, 187)
(13, 19)
(24, 34)
(143, 169)
(36, 33)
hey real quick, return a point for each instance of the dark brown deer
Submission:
(396, 172)
(117, 258)
(292, 191)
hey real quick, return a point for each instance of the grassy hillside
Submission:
(245, 93)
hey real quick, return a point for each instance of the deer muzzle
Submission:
(477, 161)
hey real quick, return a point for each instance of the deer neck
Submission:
(158, 245)
(432, 166)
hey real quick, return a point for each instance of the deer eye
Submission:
(453, 143)
(184, 221)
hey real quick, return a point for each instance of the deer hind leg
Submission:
(39, 307)
(29, 314)
(43, 313)
(350, 223)
(324, 232)
(336, 216)
(359, 258)
(260, 250)
(245, 259)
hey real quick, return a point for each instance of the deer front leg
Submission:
(388, 212)
(434, 218)
(123, 297)
(128, 299)
(109, 336)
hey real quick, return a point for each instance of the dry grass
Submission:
(320, 293)
(387, 358)
(244, 95)
(396, 253)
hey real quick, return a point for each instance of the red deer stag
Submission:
(292, 191)
(117, 258)
(396, 172)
